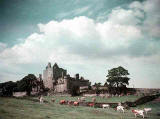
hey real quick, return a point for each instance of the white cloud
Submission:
(2, 46)
(84, 45)
(136, 5)
(128, 17)
(68, 35)
(151, 9)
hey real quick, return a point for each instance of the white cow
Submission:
(120, 108)
(147, 110)
(105, 106)
(138, 112)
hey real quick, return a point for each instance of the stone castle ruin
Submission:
(57, 79)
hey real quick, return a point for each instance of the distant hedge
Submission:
(142, 100)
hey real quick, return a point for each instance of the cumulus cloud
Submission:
(2, 46)
(151, 23)
(79, 36)
(81, 42)
(128, 17)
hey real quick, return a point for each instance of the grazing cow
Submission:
(105, 106)
(120, 108)
(147, 110)
(62, 102)
(91, 104)
(76, 103)
(41, 100)
(138, 112)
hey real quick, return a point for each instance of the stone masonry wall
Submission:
(61, 88)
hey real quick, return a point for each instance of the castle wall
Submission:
(62, 85)
(79, 83)
(65, 85)
(61, 88)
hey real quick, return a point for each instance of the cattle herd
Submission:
(81, 100)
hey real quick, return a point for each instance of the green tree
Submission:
(8, 88)
(27, 83)
(74, 91)
(117, 78)
(97, 85)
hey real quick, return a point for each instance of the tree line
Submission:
(25, 84)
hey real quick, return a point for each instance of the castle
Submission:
(57, 79)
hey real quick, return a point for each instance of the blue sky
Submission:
(87, 37)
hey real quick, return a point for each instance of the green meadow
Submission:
(30, 108)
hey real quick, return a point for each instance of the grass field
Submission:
(12, 108)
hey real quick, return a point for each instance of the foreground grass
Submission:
(12, 108)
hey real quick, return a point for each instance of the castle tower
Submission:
(66, 83)
(51, 75)
(48, 76)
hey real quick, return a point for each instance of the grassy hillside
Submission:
(12, 108)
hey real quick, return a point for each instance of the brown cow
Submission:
(76, 103)
(91, 104)
(62, 102)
